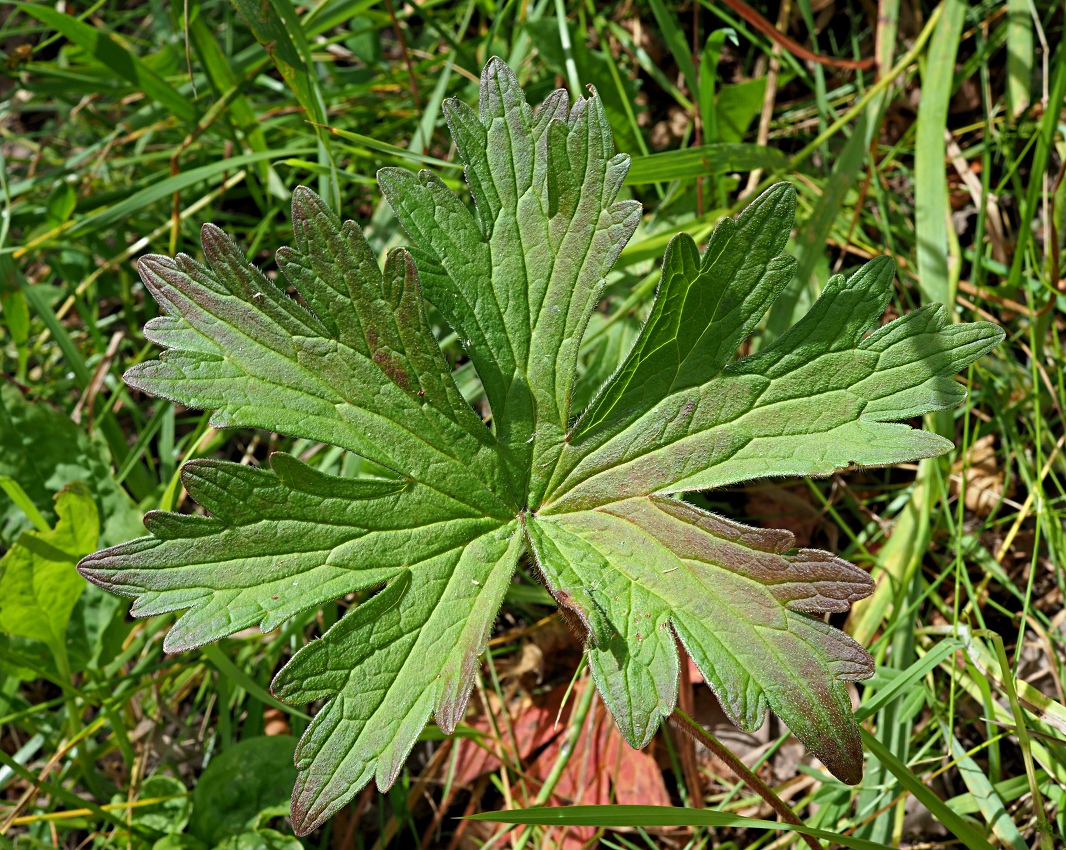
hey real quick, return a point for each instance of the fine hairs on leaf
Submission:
(593, 497)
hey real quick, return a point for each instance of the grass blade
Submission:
(912, 674)
(802, 290)
(954, 823)
(242, 680)
(102, 47)
(135, 203)
(688, 163)
(1041, 155)
(984, 793)
(17, 495)
(649, 816)
(671, 31)
(1019, 55)
(930, 182)
(276, 26)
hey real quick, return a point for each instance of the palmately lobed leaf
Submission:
(376, 383)
(278, 543)
(519, 276)
(593, 496)
(654, 568)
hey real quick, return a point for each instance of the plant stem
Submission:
(577, 723)
(683, 723)
(887, 80)
(1021, 730)
(62, 660)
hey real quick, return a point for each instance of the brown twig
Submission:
(686, 725)
(445, 803)
(214, 113)
(88, 398)
(794, 47)
(1054, 240)
(406, 54)
(863, 191)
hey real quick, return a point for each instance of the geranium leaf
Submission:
(519, 280)
(655, 567)
(412, 650)
(591, 498)
(368, 376)
(278, 543)
(820, 398)
(705, 308)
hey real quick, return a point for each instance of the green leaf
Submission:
(1019, 55)
(988, 800)
(822, 397)
(61, 202)
(223, 77)
(97, 629)
(643, 570)
(171, 813)
(260, 839)
(519, 280)
(425, 631)
(359, 369)
(243, 786)
(279, 542)
(23, 502)
(590, 498)
(39, 585)
(739, 104)
(42, 450)
(179, 841)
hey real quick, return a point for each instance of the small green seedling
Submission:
(593, 499)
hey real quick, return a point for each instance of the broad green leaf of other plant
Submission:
(39, 585)
(590, 499)
(43, 450)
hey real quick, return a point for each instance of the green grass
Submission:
(123, 128)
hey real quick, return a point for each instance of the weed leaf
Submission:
(39, 586)
(592, 497)
(518, 277)
(43, 451)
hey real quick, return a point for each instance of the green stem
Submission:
(577, 723)
(10, 486)
(1022, 731)
(887, 80)
(685, 724)
(59, 653)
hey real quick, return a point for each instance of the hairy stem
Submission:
(685, 724)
